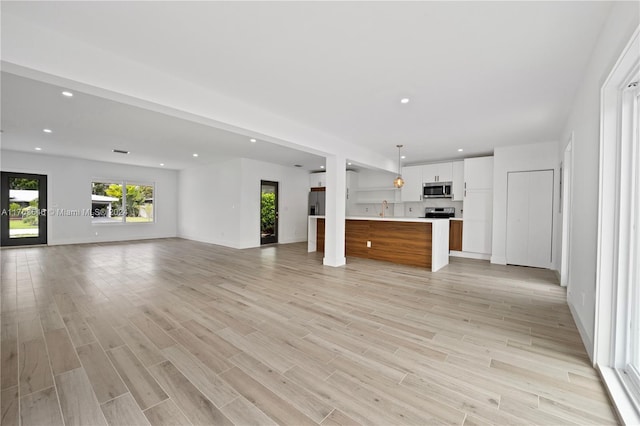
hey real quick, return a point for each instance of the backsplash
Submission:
(404, 209)
(375, 209)
(417, 209)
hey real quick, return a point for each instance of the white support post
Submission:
(335, 211)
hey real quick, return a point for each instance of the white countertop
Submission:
(389, 219)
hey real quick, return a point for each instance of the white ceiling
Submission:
(87, 126)
(479, 74)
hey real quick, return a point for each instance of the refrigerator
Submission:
(317, 203)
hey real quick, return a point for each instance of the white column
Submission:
(335, 211)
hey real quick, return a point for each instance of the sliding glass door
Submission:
(23, 205)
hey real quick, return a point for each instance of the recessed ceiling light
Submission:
(348, 164)
(195, 155)
(67, 94)
(37, 148)
(404, 100)
(162, 164)
(460, 149)
(403, 156)
(322, 167)
(47, 130)
(252, 140)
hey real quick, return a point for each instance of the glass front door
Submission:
(23, 205)
(268, 212)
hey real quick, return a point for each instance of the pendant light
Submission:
(398, 182)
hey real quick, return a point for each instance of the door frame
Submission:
(272, 239)
(566, 206)
(5, 239)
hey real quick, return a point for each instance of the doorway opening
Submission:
(268, 212)
(23, 206)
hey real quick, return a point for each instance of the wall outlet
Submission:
(366, 209)
(368, 244)
(410, 209)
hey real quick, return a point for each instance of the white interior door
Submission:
(517, 218)
(530, 218)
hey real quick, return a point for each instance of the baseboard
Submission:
(65, 242)
(586, 340)
(469, 255)
(499, 260)
(223, 243)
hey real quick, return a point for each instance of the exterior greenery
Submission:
(268, 212)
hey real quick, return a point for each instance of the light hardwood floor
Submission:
(173, 332)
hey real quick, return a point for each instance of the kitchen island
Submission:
(410, 241)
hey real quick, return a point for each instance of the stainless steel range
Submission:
(439, 212)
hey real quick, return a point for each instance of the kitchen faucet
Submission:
(384, 207)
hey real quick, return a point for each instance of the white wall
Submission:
(540, 156)
(209, 199)
(584, 121)
(69, 188)
(220, 202)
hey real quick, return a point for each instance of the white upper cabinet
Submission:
(412, 189)
(438, 172)
(458, 181)
(478, 173)
(318, 179)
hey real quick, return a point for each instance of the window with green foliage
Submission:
(116, 202)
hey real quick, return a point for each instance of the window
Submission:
(118, 202)
(617, 322)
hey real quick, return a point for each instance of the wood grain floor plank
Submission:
(123, 410)
(310, 405)
(77, 400)
(41, 408)
(61, 352)
(338, 418)
(140, 383)
(9, 355)
(372, 342)
(269, 403)
(166, 413)
(186, 396)
(104, 379)
(152, 331)
(242, 412)
(216, 390)
(79, 330)
(35, 372)
(9, 407)
(104, 332)
(142, 347)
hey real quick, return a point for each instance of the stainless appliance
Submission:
(439, 212)
(437, 190)
(317, 203)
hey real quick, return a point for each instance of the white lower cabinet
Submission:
(478, 216)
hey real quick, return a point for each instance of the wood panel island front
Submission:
(409, 241)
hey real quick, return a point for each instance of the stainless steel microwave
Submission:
(436, 190)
